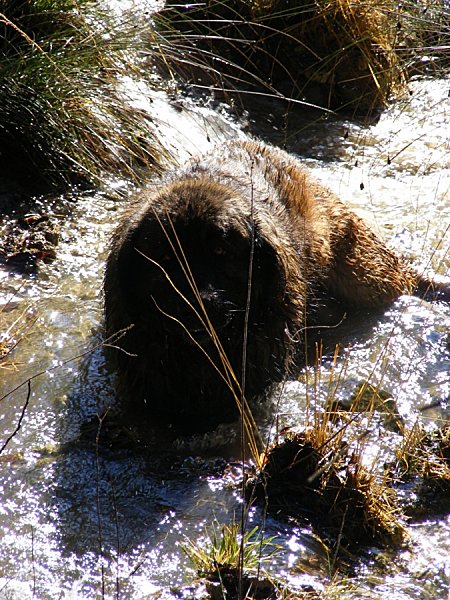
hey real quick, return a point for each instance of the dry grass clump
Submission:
(63, 119)
(423, 35)
(315, 476)
(424, 454)
(347, 47)
(367, 398)
(336, 53)
(423, 460)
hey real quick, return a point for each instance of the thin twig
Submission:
(243, 383)
(22, 414)
(116, 525)
(99, 517)
(339, 539)
(32, 561)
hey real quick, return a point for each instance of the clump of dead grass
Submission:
(336, 53)
(423, 461)
(423, 35)
(314, 475)
(318, 473)
(424, 453)
(348, 48)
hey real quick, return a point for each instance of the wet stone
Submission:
(28, 240)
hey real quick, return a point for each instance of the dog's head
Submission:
(195, 256)
(203, 275)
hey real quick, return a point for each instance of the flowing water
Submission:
(78, 521)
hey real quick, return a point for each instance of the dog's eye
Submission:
(219, 251)
(218, 248)
(160, 261)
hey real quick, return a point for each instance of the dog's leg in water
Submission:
(365, 273)
(432, 290)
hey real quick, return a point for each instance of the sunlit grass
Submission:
(63, 118)
(424, 454)
(222, 549)
(232, 559)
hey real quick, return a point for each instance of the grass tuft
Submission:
(323, 481)
(423, 460)
(64, 119)
(228, 556)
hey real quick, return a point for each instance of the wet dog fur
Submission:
(216, 269)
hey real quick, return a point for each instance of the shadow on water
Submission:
(312, 133)
(125, 493)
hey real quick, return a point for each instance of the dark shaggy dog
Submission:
(217, 268)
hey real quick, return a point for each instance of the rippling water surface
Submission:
(79, 523)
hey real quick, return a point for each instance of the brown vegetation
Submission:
(314, 476)
(336, 54)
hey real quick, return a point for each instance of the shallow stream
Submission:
(79, 522)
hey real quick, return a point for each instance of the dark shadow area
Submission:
(308, 132)
(122, 483)
(126, 489)
(135, 471)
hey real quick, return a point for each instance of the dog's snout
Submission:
(210, 294)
